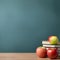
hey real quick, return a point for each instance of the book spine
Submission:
(57, 46)
(45, 42)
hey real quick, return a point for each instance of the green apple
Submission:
(53, 39)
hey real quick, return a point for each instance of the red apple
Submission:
(53, 39)
(52, 53)
(41, 52)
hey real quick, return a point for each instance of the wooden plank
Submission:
(22, 56)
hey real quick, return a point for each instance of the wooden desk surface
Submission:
(21, 56)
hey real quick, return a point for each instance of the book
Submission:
(56, 46)
(53, 47)
(58, 52)
(45, 42)
(48, 43)
(59, 55)
(59, 49)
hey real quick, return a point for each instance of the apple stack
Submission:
(52, 42)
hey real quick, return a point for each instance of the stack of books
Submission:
(48, 45)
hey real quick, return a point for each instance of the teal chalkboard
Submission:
(25, 23)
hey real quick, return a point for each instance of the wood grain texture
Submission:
(22, 56)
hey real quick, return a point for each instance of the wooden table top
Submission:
(21, 56)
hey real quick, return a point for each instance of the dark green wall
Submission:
(25, 23)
